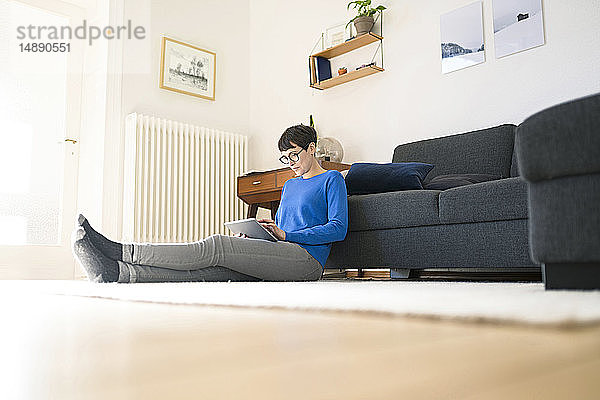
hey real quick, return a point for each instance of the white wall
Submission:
(219, 26)
(411, 100)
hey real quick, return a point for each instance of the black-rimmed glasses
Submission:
(293, 157)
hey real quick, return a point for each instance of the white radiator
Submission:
(180, 180)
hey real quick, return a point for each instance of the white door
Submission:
(40, 96)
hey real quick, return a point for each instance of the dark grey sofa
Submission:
(483, 225)
(560, 152)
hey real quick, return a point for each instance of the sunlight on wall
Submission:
(15, 157)
(13, 230)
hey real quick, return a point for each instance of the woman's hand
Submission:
(269, 225)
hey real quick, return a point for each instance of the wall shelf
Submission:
(347, 77)
(348, 46)
(343, 48)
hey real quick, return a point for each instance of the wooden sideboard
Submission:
(264, 189)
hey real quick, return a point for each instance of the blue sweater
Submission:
(314, 212)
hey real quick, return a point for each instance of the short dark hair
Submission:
(301, 135)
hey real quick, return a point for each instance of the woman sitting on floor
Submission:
(312, 214)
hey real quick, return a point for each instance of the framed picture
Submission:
(336, 34)
(462, 37)
(518, 26)
(187, 69)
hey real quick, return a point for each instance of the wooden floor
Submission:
(59, 347)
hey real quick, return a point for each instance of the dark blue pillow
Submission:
(365, 178)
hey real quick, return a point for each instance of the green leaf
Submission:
(356, 3)
(363, 8)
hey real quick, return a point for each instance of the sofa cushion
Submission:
(365, 178)
(498, 244)
(514, 164)
(486, 151)
(499, 200)
(445, 182)
(393, 210)
(563, 140)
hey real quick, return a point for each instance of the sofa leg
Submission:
(399, 273)
(571, 276)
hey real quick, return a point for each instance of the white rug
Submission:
(526, 303)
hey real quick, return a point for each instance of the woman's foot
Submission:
(110, 249)
(99, 268)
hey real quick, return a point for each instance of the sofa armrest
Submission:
(563, 140)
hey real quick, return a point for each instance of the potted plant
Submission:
(364, 21)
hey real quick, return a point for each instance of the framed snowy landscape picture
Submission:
(462, 38)
(518, 26)
(187, 69)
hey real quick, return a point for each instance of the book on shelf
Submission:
(323, 69)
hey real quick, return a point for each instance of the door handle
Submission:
(73, 141)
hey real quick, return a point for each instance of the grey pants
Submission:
(218, 258)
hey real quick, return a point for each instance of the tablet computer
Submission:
(251, 228)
